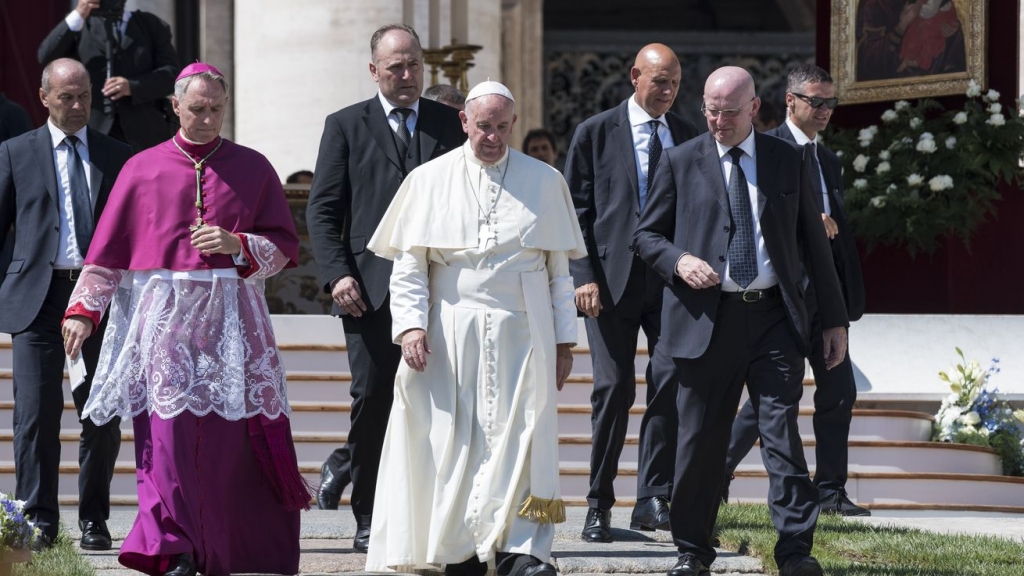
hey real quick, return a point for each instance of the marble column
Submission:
(217, 46)
(522, 34)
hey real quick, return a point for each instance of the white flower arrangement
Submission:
(972, 414)
(964, 155)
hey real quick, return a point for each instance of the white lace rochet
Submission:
(198, 340)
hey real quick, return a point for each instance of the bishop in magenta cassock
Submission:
(192, 228)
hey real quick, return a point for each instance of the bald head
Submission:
(730, 104)
(67, 93)
(655, 75)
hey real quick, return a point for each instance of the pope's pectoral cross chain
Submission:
(199, 165)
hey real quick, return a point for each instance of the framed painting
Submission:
(905, 49)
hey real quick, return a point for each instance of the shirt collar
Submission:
(638, 115)
(388, 106)
(57, 136)
(799, 135)
(747, 145)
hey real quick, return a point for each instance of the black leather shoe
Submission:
(329, 494)
(801, 566)
(650, 514)
(598, 526)
(95, 535)
(41, 543)
(471, 567)
(362, 539)
(183, 566)
(689, 565)
(539, 569)
(839, 503)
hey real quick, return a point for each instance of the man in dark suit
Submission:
(810, 99)
(54, 182)
(143, 63)
(734, 230)
(611, 161)
(366, 151)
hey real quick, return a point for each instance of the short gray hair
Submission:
(181, 86)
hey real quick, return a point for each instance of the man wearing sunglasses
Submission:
(810, 99)
(733, 228)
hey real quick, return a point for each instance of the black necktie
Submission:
(819, 192)
(653, 155)
(404, 137)
(81, 199)
(742, 252)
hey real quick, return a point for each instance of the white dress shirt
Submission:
(410, 121)
(638, 120)
(803, 140)
(748, 163)
(75, 21)
(68, 255)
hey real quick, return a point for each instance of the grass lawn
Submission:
(848, 548)
(61, 559)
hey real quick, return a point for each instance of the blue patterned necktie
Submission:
(742, 252)
(403, 128)
(81, 199)
(653, 155)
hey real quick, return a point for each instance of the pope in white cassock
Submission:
(483, 307)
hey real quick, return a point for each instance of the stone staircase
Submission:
(893, 465)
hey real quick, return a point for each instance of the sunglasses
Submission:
(818, 101)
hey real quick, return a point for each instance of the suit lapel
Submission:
(767, 168)
(426, 134)
(710, 165)
(132, 31)
(676, 128)
(623, 134)
(377, 124)
(97, 167)
(43, 147)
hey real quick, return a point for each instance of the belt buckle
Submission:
(755, 295)
(74, 275)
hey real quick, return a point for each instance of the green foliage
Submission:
(925, 173)
(851, 548)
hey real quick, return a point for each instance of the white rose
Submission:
(973, 89)
(890, 189)
(883, 155)
(992, 96)
(996, 120)
(902, 105)
(860, 162)
(839, 153)
(877, 201)
(927, 146)
(882, 168)
(995, 108)
(860, 183)
(927, 136)
(983, 431)
(889, 116)
(866, 135)
(939, 183)
(950, 142)
(915, 179)
(960, 118)
(971, 418)
(915, 123)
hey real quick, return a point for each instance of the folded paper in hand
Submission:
(76, 370)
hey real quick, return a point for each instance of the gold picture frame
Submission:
(940, 51)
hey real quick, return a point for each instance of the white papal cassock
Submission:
(470, 460)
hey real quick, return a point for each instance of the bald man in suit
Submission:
(733, 228)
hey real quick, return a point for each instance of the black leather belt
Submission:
(751, 296)
(72, 275)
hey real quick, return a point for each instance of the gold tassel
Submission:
(543, 510)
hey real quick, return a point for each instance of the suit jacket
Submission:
(145, 57)
(28, 201)
(600, 169)
(688, 212)
(844, 249)
(358, 171)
